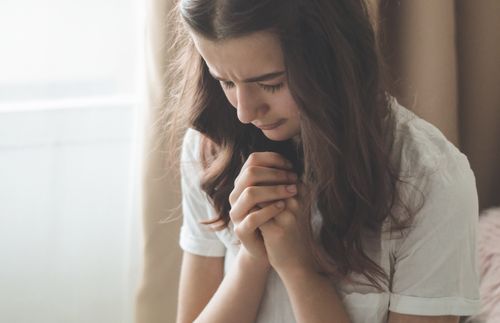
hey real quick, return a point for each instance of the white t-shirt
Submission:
(433, 269)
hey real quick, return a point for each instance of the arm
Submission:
(322, 305)
(313, 297)
(238, 297)
(205, 296)
(199, 279)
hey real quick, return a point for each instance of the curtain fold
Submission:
(157, 295)
(444, 62)
(422, 59)
(479, 93)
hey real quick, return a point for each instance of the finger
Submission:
(264, 175)
(269, 228)
(285, 219)
(255, 219)
(263, 204)
(258, 175)
(279, 223)
(267, 159)
(255, 195)
(292, 204)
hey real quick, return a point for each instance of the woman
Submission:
(309, 193)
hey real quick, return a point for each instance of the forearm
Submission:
(238, 297)
(313, 298)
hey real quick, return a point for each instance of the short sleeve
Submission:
(436, 263)
(195, 237)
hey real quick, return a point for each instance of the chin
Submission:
(277, 135)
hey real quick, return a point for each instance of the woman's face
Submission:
(252, 74)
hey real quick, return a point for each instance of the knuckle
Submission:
(252, 170)
(251, 220)
(292, 203)
(234, 216)
(244, 194)
(252, 158)
(250, 192)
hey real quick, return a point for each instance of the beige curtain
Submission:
(445, 61)
(156, 298)
(444, 58)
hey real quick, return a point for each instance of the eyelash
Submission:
(269, 88)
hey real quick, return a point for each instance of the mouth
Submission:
(271, 126)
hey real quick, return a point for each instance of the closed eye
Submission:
(266, 87)
(227, 84)
(271, 88)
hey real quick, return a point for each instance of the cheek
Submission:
(288, 105)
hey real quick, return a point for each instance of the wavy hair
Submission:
(336, 76)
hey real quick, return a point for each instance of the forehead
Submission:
(241, 57)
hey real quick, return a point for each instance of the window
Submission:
(68, 89)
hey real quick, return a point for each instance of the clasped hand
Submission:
(265, 211)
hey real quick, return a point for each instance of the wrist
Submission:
(248, 260)
(297, 273)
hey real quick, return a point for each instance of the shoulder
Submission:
(422, 153)
(190, 145)
(434, 175)
(437, 183)
(190, 164)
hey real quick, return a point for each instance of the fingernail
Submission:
(291, 188)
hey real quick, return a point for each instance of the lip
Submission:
(271, 126)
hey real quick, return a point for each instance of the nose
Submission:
(248, 105)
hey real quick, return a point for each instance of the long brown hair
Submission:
(336, 76)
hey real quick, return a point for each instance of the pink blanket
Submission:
(489, 261)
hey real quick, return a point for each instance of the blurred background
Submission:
(83, 183)
(69, 88)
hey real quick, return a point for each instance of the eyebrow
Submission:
(260, 78)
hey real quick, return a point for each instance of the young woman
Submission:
(308, 193)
